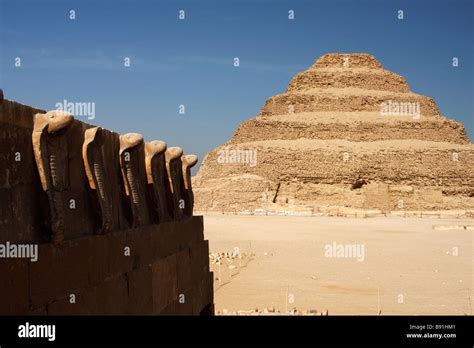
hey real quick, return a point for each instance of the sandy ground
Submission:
(408, 267)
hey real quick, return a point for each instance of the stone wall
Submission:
(111, 217)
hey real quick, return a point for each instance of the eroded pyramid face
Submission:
(347, 83)
(345, 133)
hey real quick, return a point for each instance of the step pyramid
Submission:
(345, 133)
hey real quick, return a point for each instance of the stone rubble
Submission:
(272, 311)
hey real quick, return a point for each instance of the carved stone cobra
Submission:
(92, 155)
(175, 179)
(131, 150)
(157, 176)
(51, 155)
(188, 161)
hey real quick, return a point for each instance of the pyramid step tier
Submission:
(384, 103)
(348, 61)
(423, 174)
(408, 162)
(368, 79)
(241, 194)
(352, 126)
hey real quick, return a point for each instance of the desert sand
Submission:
(409, 266)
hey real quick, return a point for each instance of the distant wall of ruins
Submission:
(111, 215)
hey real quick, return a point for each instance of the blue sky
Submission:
(190, 62)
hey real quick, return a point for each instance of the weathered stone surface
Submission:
(157, 178)
(185, 302)
(188, 161)
(109, 256)
(85, 303)
(200, 266)
(131, 269)
(175, 176)
(140, 291)
(112, 296)
(328, 141)
(183, 261)
(59, 271)
(164, 279)
(166, 242)
(50, 149)
(132, 161)
(14, 290)
(204, 292)
(92, 154)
